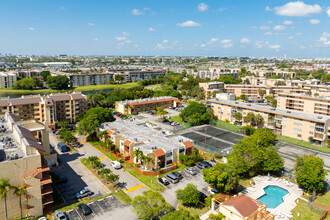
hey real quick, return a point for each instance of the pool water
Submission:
(273, 196)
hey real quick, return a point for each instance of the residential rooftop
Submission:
(288, 113)
(155, 99)
(307, 96)
(145, 134)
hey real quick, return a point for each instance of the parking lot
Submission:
(106, 208)
(198, 180)
(217, 139)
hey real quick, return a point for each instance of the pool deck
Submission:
(283, 210)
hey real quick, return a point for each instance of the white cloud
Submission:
(268, 8)
(254, 27)
(226, 43)
(259, 44)
(175, 42)
(203, 7)
(275, 47)
(297, 8)
(90, 24)
(302, 47)
(165, 41)
(287, 22)
(245, 40)
(264, 27)
(325, 39)
(213, 40)
(31, 28)
(95, 39)
(268, 33)
(269, 22)
(203, 45)
(137, 12)
(189, 23)
(151, 29)
(328, 12)
(120, 38)
(125, 34)
(222, 9)
(314, 21)
(299, 34)
(279, 28)
(290, 38)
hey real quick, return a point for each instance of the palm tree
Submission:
(238, 116)
(103, 135)
(4, 188)
(249, 117)
(148, 160)
(258, 119)
(137, 153)
(105, 171)
(112, 178)
(110, 144)
(19, 191)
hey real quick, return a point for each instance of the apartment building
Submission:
(139, 105)
(294, 124)
(161, 146)
(51, 108)
(90, 79)
(211, 87)
(7, 80)
(27, 73)
(252, 80)
(24, 158)
(139, 75)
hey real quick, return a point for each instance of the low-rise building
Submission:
(25, 156)
(161, 146)
(139, 105)
(210, 88)
(90, 79)
(7, 80)
(294, 124)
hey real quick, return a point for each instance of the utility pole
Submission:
(205, 143)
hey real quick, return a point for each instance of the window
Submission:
(311, 132)
(181, 150)
(169, 154)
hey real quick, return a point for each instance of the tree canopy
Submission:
(180, 214)
(45, 74)
(150, 205)
(26, 84)
(310, 173)
(58, 82)
(195, 113)
(189, 196)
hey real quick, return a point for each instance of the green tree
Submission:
(238, 116)
(189, 196)
(150, 205)
(221, 177)
(104, 172)
(112, 178)
(258, 120)
(44, 75)
(62, 124)
(180, 214)
(20, 191)
(103, 135)
(310, 173)
(273, 103)
(137, 153)
(4, 188)
(195, 113)
(218, 216)
(249, 130)
(249, 117)
(58, 82)
(119, 77)
(25, 84)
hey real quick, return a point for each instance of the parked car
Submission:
(202, 197)
(178, 175)
(42, 218)
(213, 191)
(115, 164)
(190, 171)
(202, 165)
(207, 164)
(62, 147)
(83, 193)
(59, 215)
(163, 181)
(171, 178)
(84, 209)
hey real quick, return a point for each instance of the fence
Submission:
(210, 149)
(156, 172)
(316, 209)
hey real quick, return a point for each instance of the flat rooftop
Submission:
(304, 95)
(288, 113)
(146, 134)
(136, 101)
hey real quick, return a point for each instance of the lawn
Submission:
(303, 143)
(200, 210)
(97, 144)
(226, 125)
(179, 120)
(149, 181)
(78, 88)
(323, 200)
(304, 212)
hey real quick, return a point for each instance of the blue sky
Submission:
(172, 27)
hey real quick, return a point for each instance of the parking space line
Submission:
(99, 206)
(102, 158)
(134, 188)
(109, 203)
(79, 214)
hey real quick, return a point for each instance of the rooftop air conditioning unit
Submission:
(248, 104)
(288, 111)
(319, 117)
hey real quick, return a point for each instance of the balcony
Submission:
(47, 199)
(47, 189)
(45, 179)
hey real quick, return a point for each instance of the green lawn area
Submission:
(304, 212)
(323, 200)
(179, 120)
(97, 144)
(149, 181)
(78, 88)
(226, 125)
(303, 143)
(200, 210)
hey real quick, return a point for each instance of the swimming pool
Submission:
(273, 196)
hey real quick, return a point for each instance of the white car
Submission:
(213, 191)
(42, 218)
(115, 164)
(59, 215)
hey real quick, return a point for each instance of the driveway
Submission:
(106, 208)
(78, 176)
(198, 180)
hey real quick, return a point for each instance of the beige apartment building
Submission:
(25, 156)
(139, 105)
(161, 146)
(294, 124)
(51, 108)
(211, 87)
(7, 80)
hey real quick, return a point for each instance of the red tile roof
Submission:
(62, 97)
(127, 143)
(188, 144)
(4, 103)
(159, 152)
(110, 132)
(25, 101)
(77, 96)
(243, 204)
